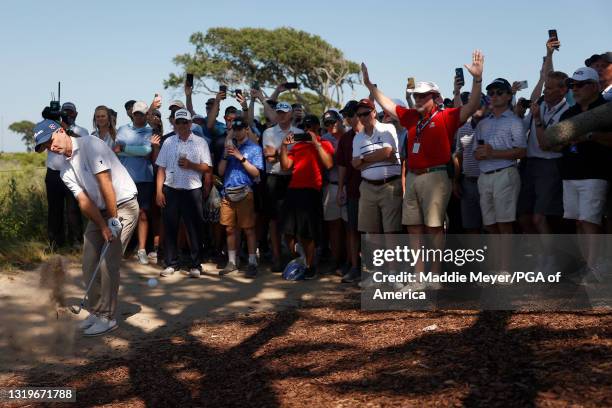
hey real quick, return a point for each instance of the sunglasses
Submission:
(421, 95)
(364, 114)
(577, 84)
(328, 123)
(181, 122)
(498, 92)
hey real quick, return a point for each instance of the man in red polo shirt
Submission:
(430, 136)
(302, 209)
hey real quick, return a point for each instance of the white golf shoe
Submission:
(88, 322)
(101, 326)
(167, 272)
(194, 273)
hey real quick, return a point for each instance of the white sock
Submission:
(231, 255)
(252, 259)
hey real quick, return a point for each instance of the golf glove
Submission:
(115, 226)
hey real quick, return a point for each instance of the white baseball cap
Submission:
(198, 116)
(585, 74)
(425, 87)
(182, 114)
(141, 107)
(177, 103)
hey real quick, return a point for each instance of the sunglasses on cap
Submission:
(498, 92)
(363, 114)
(329, 122)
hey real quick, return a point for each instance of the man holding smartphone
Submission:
(182, 161)
(541, 196)
(302, 210)
(278, 178)
(240, 167)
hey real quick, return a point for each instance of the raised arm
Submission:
(387, 104)
(214, 111)
(475, 69)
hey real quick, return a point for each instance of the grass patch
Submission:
(23, 210)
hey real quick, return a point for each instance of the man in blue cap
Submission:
(106, 195)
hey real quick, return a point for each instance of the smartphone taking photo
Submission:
(189, 80)
(552, 36)
(459, 75)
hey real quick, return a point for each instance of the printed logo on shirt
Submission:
(433, 125)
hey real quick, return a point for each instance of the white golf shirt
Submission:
(274, 137)
(91, 156)
(56, 161)
(196, 150)
(383, 135)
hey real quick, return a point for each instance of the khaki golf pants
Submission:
(102, 298)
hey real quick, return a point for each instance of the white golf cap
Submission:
(141, 107)
(283, 107)
(198, 116)
(182, 114)
(425, 87)
(176, 103)
(585, 74)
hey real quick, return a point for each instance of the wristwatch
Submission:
(243, 159)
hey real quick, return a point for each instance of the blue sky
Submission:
(109, 52)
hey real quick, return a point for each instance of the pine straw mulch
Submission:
(333, 354)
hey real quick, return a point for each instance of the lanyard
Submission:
(420, 126)
(552, 118)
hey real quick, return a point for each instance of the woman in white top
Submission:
(104, 125)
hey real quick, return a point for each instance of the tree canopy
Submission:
(240, 57)
(26, 129)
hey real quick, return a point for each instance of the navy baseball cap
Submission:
(500, 83)
(43, 132)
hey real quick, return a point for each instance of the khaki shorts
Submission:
(426, 199)
(240, 214)
(499, 195)
(331, 211)
(380, 206)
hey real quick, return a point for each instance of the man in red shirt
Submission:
(302, 210)
(430, 136)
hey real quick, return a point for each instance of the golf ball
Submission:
(152, 282)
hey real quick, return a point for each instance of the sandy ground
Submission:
(37, 332)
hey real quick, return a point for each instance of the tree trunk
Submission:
(576, 128)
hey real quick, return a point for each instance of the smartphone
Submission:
(411, 83)
(301, 137)
(523, 85)
(459, 74)
(222, 88)
(189, 80)
(552, 35)
(290, 85)
(238, 92)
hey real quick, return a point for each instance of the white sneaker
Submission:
(167, 272)
(194, 273)
(88, 322)
(152, 255)
(142, 257)
(101, 326)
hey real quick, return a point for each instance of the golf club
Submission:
(77, 310)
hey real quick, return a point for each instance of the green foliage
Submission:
(26, 129)
(23, 208)
(239, 57)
